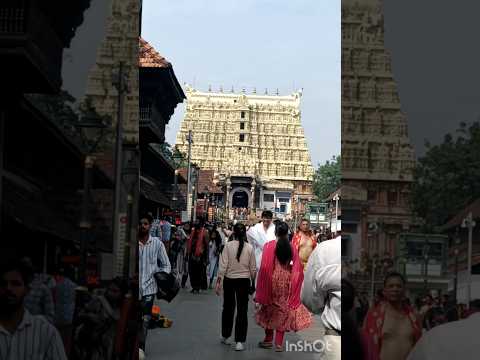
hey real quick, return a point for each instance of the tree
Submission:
(327, 178)
(175, 156)
(447, 178)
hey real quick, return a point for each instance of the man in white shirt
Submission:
(152, 258)
(260, 234)
(23, 335)
(454, 340)
(321, 293)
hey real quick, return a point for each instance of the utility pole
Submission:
(120, 83)
(426, 250)
(469, 223)
(372, 284)
(336, 198)
(195, 193)
(2, 154)
(189, 175)
(85, 224)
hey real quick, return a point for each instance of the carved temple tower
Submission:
(377, 157)
(120, 44)
(255, 144)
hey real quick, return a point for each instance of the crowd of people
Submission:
(287, 273)
(391, 327)
(50, 317)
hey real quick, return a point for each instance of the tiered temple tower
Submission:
(377, 157)
(119, 45)
(259, 137)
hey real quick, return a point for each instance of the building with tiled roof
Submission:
(149, 57)
(160, 93)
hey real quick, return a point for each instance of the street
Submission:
(195, 333)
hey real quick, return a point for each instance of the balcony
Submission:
(152, 127)
(29, 46)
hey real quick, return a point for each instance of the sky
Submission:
(435, 61)
(271, 44)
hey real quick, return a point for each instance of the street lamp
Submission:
(174, 197)
(456, 252)
(374, 261)
(469, 223)
(336, 198)
(426, 249)
(206, 194)
(90, 120)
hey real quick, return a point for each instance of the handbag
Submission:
(168, 285)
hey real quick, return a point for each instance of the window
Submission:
(242, 137)
(239, 149)
(283, 208)
(242, 115)
(284, 200)
(268, 198)
(372, 195)
(242, 126)
(392, 197)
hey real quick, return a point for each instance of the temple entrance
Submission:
(240, 199)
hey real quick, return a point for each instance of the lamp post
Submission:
(195, 192)
(455, 280)
(174, 197)
(426, 249)
(215, 196)
(189, 175)
(206, 194)
(469, 223)
(89, 121)
(336, 198)
(372, 283)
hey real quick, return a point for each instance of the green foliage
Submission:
(447, 178)
(327, 178)
(173, 155)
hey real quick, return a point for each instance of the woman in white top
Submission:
(236, 274)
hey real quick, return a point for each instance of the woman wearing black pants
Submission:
(236, 275)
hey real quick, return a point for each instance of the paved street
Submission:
(195, 333)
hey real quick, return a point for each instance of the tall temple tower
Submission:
(377, 157)
(254, 141)
(119, 45)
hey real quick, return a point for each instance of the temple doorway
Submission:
(240, 199)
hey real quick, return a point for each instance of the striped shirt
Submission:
(35, 338)
(152, 258)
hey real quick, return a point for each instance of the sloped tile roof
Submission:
(474, 208)
(149, 57)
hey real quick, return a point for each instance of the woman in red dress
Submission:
(279, 284)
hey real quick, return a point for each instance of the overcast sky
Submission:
(436, 63)
(270, 44)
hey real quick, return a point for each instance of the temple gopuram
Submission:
(377, 157)
(256, 146)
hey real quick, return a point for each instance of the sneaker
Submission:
(239, 347)
(225, 341)
(141, 354)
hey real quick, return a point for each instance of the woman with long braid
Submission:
(279, 285)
